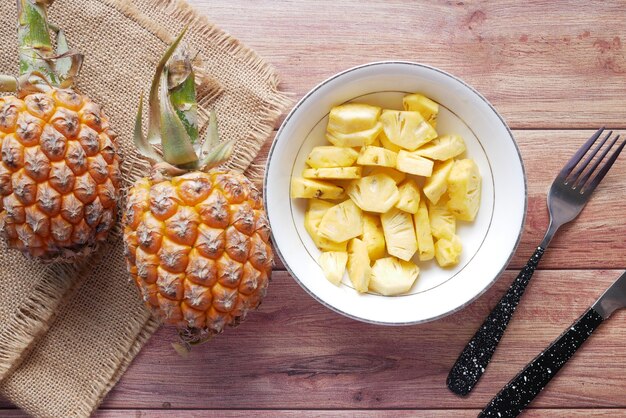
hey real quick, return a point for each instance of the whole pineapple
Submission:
(197, 241)
(59, 174)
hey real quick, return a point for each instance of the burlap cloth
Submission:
(68, 332)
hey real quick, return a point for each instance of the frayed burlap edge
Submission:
(188, 16)
(37, 314)
(36, 317)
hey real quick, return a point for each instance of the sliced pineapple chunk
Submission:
(409, 196)
(333, 264)
(312, 218)
(443, 148)
(379, 156)
(352, 117)
(406, 129)
(410, 162)
(377, 193)
(329, 156)
(386, 143)
(397, 176)
(437, 184)
(373, 236)
(427, 108)
(307, 188)
(359, 269)
(464, 185)
(448, 251)
(399, 233)
(391, 276)
(337, 173)
(425, 244)
(355, 139)
(442, 220)
(342, 222)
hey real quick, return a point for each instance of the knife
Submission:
(520, 391)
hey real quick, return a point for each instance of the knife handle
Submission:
(476, 355)
(520, 391)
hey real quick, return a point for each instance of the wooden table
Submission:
(556, 71)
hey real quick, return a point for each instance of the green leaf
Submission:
(177, 147)
(143, 146)
(218, 155)
(155, 119)
(211, 137)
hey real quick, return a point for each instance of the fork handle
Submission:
(524, 387)
(474, 359)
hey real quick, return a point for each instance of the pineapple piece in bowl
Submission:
(450, 111)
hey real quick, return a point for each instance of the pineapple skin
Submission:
(59, 175)
(198, 248)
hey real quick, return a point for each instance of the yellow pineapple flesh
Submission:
(448, 251)
(428, 108)
(425, 244)
(442, 220)
(333, 264)
(406, 129)
(399, 233)
(376, 193)
(373, 236)
(437, 184)
(409, 196)
(464, 186)
(311, 188)
(342, 222)
(312, 218)
(330, 156)
(391, 276)
(359, 269)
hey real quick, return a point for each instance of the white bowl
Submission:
(488, 242)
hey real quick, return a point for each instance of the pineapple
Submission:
(437, 184)
(352, 117)
(422, 104)
(378, 156)
(409, 196)
(342, 222)
(373, 236)
(329, 156)
(406, 129)
(377, 193)
(425, 245)
(312, 218)
(355, 139)
(410, 162)
(333, 264)
(397, 176)
(197, 242)
(337, 173)
(359, 269)
(442, 220)
(308, 188)
(443, 148)
(391, 276)
(448, 251)
(386, 143)
(399, 234)
(59, 174)
(464, 184)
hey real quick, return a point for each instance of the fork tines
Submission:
(580, 174)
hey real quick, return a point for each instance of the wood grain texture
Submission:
(542, 64)
(382, 413)
(556, 71)
(296, 354)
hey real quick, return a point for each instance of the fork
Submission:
(568, 195)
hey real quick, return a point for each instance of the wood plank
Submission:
(295, 354)
(597, 238)
(417, 413)
(544, 64)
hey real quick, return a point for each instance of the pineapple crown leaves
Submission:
(173, 121)
(41, 67)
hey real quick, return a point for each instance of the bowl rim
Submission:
(481, 97)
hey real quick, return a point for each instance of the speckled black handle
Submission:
(474, 359)
(520, 391)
